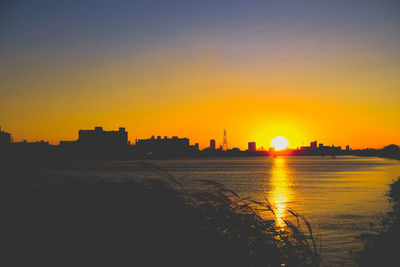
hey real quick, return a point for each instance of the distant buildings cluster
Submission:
(165, 146)
(98, 143)
(321, 149)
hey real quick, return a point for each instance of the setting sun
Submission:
(279, 143)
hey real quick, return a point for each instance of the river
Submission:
(340, 197)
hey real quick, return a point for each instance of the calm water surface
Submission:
(339, 196)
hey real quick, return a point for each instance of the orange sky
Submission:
(335, 81)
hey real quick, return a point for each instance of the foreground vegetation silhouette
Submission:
(382, 248)
(152, 222)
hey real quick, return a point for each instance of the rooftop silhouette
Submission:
(98, 143)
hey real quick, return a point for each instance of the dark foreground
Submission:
(383, 248)
(89, 222)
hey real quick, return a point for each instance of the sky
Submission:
(306, 70)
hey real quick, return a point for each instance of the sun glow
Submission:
(279, 143)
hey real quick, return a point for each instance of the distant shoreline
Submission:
(56, 163)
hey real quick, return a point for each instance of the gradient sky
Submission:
(324, 70)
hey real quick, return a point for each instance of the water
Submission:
(339, 196)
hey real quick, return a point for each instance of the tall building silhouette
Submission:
(252, 146)
(313, 145)
(225, 142)
(212, 144)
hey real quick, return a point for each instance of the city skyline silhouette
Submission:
(200, 133)
(101, 144)
(300, 69)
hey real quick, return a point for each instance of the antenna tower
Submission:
(225, 144)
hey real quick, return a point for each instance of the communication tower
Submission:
(225, 143)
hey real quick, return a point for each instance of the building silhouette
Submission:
(105, 145)
(5, 144)
(98, 138)
(97, 143)
(212, 144)
(319, 149)
(5, 138)
(225, 142)
(313, 145)
(252, 147)
(33, 150)
(164, 146)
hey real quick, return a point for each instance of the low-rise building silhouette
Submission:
(98, 138)
(5, 138)
(5, 144)
(312, 148)
(319, 149)
(41, 149)
(164, 146)
(98, 143)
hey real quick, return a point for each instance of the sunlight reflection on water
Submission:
(280, 192)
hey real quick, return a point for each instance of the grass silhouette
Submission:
(151, 222)
(382, 248)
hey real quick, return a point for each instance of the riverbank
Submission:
(25, 152)
(74, 221)
(339, 196)
(382, 249)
